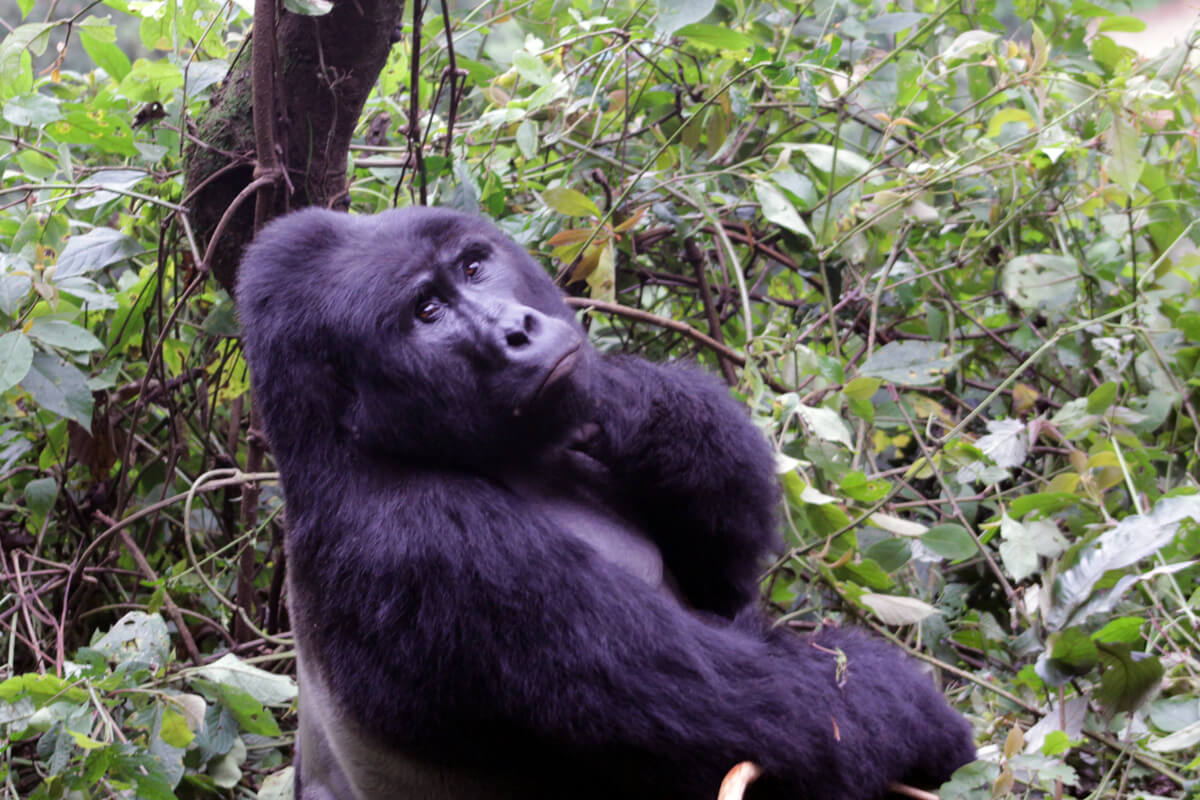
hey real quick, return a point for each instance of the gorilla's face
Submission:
(444, 341)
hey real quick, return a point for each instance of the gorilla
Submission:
(520, 569)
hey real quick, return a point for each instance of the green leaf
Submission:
(1125, 630)
(175, 730)
(1126, 163)
(1130, 678)
(674, 14)
(267, 687)
(40, 494)
(1044, 502)
(1121, 25)
(1073, 652)
(893, 610)
(151, 81)
(32, 109)
(1102, 398)
(93, 250)
(309, 8)
(910, 363)
(837, 160)
(137, 639)
(104, 53)
(248, 712)
(951, 541)
(59, 387)
(1042, 282)
(26, 6)
(969, 45)
(527, 138)
(779, 210)
(1134, 538)
(16, 357)
(1006, 115)
(60, 333)
(32, 36)
(95, 128)
(570, 202)
(715, 37)
(531, 68)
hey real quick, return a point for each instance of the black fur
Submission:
(457, 622)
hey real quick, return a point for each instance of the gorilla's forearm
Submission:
(701, 474)
(603, 675)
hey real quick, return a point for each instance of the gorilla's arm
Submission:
(464, 627)
(697, 469)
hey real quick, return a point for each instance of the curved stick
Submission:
(738, 779)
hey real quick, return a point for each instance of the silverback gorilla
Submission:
(520, 569)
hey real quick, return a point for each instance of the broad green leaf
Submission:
(951, 541)
(26, 6)
(1179, 740)
(94, 128)
(60, 387)
(1017, 550)
(175, 730)
(268, 688)
(779, 210)
(911, 363)
(88, 252)
(151, 81)
(893, 610)
(1126, 163)
(309, 8)
(1044, 503)
(1073, 652)
(1042, 282)
(1121, 25)
(969, 45)
(1121, 629)
(898, 526)
(40, 494)
(249, 713)
(32, 109)
(138, 639)
(104, 53)
(16, 357)
(1134, 538)
(1006, 115)
(837, 160)
(32, 36)
(1130, 677)
(527, 138)
(531, 68)
(715, 37)
(570, 202)
(674, 14)
(67, 335)
(1101, 398)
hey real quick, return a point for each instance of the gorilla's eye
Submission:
(428, 310)
(472, 269)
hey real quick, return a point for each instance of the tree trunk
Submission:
(326, 68)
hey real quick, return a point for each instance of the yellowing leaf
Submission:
(570, 202)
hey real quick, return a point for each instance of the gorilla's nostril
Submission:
(516, 339)
(531, 323)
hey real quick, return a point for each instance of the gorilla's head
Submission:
(421, 334)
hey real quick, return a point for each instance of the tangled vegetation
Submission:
(944, 251)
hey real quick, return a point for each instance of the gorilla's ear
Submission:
(283, 299)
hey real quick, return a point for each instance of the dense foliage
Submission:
(945, 252)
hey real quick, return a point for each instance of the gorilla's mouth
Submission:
(560, 370)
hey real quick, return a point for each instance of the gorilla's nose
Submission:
(519, 327)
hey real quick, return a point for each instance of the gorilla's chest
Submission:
(590, 519)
